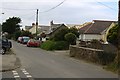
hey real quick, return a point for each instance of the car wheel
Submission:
(3, 50)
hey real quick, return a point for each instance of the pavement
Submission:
(9, 62)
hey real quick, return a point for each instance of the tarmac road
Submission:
(38, 63)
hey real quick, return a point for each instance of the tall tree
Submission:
(11, 25)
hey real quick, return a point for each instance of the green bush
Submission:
(61, 45)
(112, 35)
(52, 45)
(59, 36)
(71, 38)
(48, 45)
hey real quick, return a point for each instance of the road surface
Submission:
(38, 63)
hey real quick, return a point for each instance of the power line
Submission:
(105, 5)
(54, 7)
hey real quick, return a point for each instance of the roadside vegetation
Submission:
(12, 28)
(61, 40)
(113, 39)
(55, 45)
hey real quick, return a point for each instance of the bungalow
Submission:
(98, 30)
(40, 29)
(54, 28)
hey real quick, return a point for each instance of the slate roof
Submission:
(56, 27)
(28, 27)
(44, 28)
(97, 27)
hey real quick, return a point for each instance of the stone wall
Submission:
(92, 55)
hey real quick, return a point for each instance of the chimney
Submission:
(33, 24)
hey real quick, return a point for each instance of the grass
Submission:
(113, 67)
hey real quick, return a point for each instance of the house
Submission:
(98, 30)
(54, 28)
(27, 28)
(49, 30)
(40, 29)
(73, 25)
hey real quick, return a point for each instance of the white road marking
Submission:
(26, 73)
(28, 76)
(15, 73)
(16, 76)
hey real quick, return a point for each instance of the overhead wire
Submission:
(54, 7)
(105, 5)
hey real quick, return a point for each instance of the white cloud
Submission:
(71, 11)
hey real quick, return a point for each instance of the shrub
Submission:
(71, 38)
(74, 31)
(59, 36)
(61, 45)
(48, 45)
(52, 45)
(112, 35)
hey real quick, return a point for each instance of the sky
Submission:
(69, 12)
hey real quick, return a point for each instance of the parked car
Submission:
(19, 40)
(33, 43)
(5, 45)
(25, 40)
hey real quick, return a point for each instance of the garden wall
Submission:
(92, 55)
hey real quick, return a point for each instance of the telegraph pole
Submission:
(119, 24)
(37, 22)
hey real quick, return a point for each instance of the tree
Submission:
(59, 36)
(74, 31)
(17, 34)
(112, 35)
(71, 38)
(11, 25)
(26, 33)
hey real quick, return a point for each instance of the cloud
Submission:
(71, 11)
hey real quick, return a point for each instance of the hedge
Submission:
(55, 45)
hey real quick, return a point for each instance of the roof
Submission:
(97, 27)
(44, 28)
(61, 25)
(82, 30)
(28, 27)
(55, 25)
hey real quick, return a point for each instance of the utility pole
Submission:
(37, 22)
(119, 24)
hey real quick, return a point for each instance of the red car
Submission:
(33, 43)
